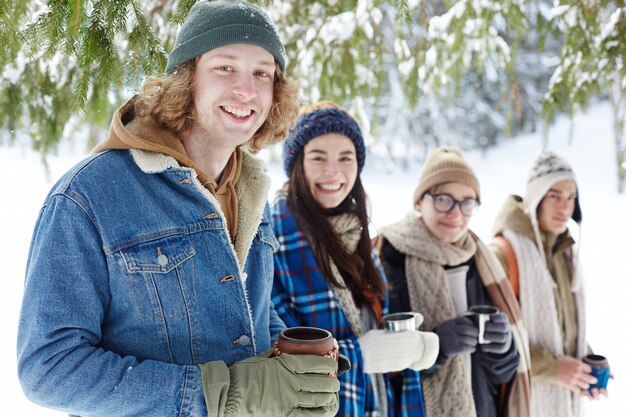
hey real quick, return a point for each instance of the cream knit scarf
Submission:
(348, 227)
(540, 315)
(447, 393)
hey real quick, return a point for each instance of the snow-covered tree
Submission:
(591, 62)
(417, 73)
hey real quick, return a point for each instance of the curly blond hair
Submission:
(169, 100)
(321, 105)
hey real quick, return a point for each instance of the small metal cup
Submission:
(481, 314)
(399, 322)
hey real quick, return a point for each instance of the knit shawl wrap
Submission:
(539, 312)
(348, 227)
(447, 393)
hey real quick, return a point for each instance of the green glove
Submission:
(264, 386)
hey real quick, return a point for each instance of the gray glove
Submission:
(456, 336)
(264, 386)
(498, 333)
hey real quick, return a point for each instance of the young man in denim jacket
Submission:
(148, 282)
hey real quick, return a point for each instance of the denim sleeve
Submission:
(60, 363)
(276, 324)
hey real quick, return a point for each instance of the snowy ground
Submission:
(501, 171)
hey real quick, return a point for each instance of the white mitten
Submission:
(395, 351)
(430, 340)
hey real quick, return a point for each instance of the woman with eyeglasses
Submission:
(437, 266)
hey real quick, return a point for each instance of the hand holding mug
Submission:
(497, 334)
(311, 341)
(480, 315)
(601, 370)
(400, 346)
(575, 375)
(456, 336)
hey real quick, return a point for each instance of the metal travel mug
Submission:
(600, 369)
(399, 322)
(481, 314)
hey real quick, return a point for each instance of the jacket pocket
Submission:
(161, 275)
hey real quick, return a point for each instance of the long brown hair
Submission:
(359, 273)
(169, 99)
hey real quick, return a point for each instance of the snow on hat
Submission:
(546, 170)
(445, 164)
(211, 24)
(317, 120)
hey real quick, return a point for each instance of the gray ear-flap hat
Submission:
(211, 24)
(546, 170)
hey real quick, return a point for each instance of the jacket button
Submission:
(244, 340)
(162, 260)
(227, 278)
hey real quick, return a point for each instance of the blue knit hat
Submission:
(328, 118)
(211, 24)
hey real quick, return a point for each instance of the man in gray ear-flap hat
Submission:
(533, 242)
(148, 285)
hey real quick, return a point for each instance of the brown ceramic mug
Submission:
(311, 341)
(305, 341)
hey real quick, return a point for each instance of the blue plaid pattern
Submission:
(302, 297)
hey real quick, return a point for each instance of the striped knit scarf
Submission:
(539, 313)
(447, 393)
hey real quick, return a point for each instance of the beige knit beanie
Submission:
(445, 164)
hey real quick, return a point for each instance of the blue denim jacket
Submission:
(132, 280)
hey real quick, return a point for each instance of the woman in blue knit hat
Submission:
(325, 272)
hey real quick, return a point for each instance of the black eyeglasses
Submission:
(444, 203)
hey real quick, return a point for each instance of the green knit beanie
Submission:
(211, 24)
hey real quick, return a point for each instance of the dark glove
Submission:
(498, 333)
(343, 364)
(457, 335)
(272, 386)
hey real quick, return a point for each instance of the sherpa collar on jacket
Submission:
(131, 131)
(252, 189)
